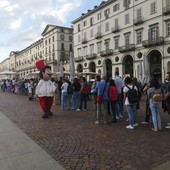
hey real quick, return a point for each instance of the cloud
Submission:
(22, 22)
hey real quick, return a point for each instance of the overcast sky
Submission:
(23, 21)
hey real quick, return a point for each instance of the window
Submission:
(107, 44)
(168, 28)
(127, 19)
(78, 27)
(99, 16)
(116, 23)
(126, 4)
(167, 3)
(115, 7)
(138, 13)
(62, 46)
(79, 38)
(49, 49)
(70, 38)
(153, 7)
(153, 32)
(106, 13)
(84, 35)
(79, 51)
(91, 21)
(139, 37)
(84, 51)
(71, 47)
(53, 38)
(99, 29)
(116, 42)
(45, 42)
(85, 23)
(107, 27)
(91, 48)
(53, 48)
(127, 39)
(91, 33)
(62, 37)
(98, 47)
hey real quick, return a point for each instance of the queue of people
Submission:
(113, 96)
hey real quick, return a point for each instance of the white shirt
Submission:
(64, 87)
(45, 88)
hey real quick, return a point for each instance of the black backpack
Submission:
(132, 95)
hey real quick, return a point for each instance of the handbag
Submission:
(100, 98)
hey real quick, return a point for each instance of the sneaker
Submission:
(136, 124)
(167, 127)
(97, 122)
(129, 127)
(155, 130)
(144, 123)
(78, 110)
(168, 124)
(117, 117)
(120, 116)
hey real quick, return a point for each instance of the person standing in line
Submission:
(102, 90)
(167, 98)
(94, 92)
(113, 97)
(130, 107)
(151, 88)
(119, 84)
(64, 95)
(60, 82)
(76, 86)
(83, 95)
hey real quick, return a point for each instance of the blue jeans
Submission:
(155, 110)
(75, 100)
(119, 108)
(64, 100)
(131, 109)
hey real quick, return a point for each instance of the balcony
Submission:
(91, 56)
(138, 21)
(115, 29)
(166, 10)
(98, 35)
(153, 42)
(84, 41)
(126, 48)
(106, 53)
(79, 58)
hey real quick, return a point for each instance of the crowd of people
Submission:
(110, 95)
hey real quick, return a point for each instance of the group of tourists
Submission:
(110, 95)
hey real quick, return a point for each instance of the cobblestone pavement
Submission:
(73, 139)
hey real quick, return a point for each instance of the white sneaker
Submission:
(136, 124)
(129, 127)
(117, 117)
(120, 116)
(167, 127)
(168, 124)
(78, 110)
(144, 123)
(97, 122)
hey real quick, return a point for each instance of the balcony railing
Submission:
(98, 35)
(153, 42)
(91, 56)
(79, 58)
(138, 20)
(106, 53)
(115, 29)
(166, 10)
(84, 41)
(128, 47)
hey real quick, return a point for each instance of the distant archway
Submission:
(79, 68)
(128, 65)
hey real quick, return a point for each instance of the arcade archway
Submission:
(128, 65)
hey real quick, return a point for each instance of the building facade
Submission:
(55, 45)
(129, 36)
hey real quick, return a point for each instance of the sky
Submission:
(23, 21)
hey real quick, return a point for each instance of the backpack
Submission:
(157, 97)
(132, 95)
(87, 89)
